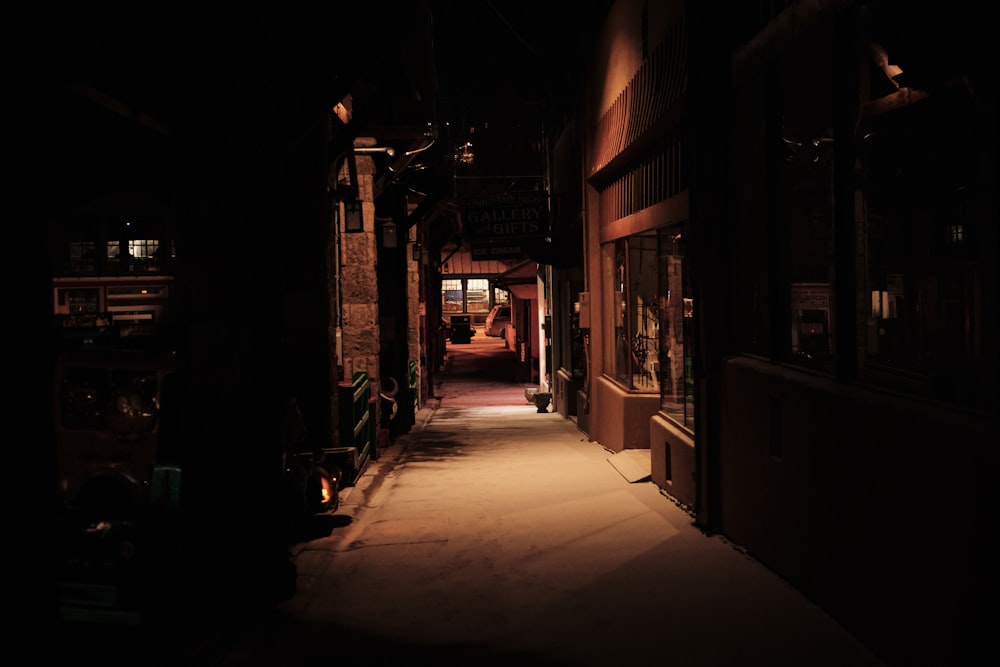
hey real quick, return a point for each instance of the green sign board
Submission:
(502, 220)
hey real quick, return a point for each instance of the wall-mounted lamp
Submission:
(388, 233)
(354, 220)
(415, 252)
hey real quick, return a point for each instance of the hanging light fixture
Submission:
(354, 220)
(415, 252)
(389, 233)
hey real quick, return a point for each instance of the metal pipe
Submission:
(368, 150)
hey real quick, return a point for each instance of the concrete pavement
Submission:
(495, 535)
(492, 534)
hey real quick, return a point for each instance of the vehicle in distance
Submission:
(497, 321)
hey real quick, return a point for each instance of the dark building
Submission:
(769, 256)
(791, 281)
(200, 157)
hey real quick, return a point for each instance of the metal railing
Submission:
(357, 421)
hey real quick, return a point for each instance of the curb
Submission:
(353, 498)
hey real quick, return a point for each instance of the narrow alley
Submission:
(497, 535)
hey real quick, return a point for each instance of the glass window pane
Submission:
(929, 313)
(616, 345)
(676, 327)
(807, 205)
(632, 348)
(144, 255)
(451, 295)
(477, 295)
(82, 258)
(643, 316)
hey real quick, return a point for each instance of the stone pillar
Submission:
(359, 281)
(416, 312)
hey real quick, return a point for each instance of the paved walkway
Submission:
(492, 534)
(496, 535)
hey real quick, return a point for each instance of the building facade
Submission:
(770, 261)
(790, 269)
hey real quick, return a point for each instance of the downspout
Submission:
(545, 283)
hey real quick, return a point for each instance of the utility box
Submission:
(461, 329)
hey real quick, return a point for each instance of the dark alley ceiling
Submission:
(119, 84)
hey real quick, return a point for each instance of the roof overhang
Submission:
(521, 280)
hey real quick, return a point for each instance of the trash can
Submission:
(461, 329)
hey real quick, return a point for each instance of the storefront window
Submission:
(477, 295)
(928, 300)
(676, 324)
(615, 342)
(807, 205)
(631, 267)
(465, 295)
(451, 295)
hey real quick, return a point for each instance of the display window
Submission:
(676, 309)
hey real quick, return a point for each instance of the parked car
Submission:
(497, 321)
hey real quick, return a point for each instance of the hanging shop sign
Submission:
(499, 250)
(503, 220)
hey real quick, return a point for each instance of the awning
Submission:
(521, 280)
